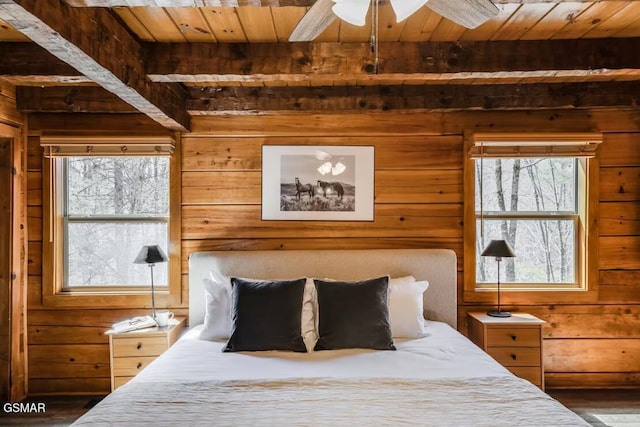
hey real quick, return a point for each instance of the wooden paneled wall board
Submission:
(599, 380)
(316, 125)
(93, 123)
(34, 155)
(620, 294)
(34, 188)
(619, 252)
(8, 111)
(94, 318)
(620, 149)
(69, 386)
(620, 184)
(45, 334)
(620, 218)
(421, 186)
(392, 126)
(619, 277)
(292, 243)
(34, 261)
(607, 321)
(34, 292)
(69, 360)
(592, 355)
(406, 220)
(34, 222)
(221, 187)
(244, 153)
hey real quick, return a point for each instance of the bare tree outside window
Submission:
(532, 204)
(112, 207)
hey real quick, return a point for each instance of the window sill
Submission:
(531, 297)
(132, 299)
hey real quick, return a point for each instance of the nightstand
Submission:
(131, 352)
(515, 342)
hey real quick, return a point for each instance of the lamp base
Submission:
(499, 313)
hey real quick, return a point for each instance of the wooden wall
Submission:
(69, 353)
(6, 162)
(419, 203)
(12, 249)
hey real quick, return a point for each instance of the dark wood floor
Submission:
(614, 408)
(601, 408)
(61, 411)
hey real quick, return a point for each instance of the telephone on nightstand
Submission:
(140, 322)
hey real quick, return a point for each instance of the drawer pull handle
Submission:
(514, 337)
(139, 365)
(139, 346)
(514, 357)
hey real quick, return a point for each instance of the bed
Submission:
(437, 379)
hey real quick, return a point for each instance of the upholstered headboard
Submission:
(438, 266)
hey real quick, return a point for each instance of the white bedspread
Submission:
(439, 380)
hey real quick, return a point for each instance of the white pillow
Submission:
(406, 307)
(217, 318)
(401, 281)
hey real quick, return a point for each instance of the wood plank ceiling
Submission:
(233, 57)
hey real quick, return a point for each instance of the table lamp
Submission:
(151, 255)
(499, 249)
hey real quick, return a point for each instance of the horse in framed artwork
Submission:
(333, 186)
(304, 188)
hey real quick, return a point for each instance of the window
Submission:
(112, 207)
(539, 193)
(531, 203)
(102, 203)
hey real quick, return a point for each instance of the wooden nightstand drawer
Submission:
(516, 356)
(515, 342)
(529, 373)
(139, 346)
(130, 366)
(132, 351)
(499, 336)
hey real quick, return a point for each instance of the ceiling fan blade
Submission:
(468, 13)
(314, 22)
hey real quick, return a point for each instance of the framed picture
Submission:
(322, 183)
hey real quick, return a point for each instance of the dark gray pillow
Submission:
(353, 315)
(266, 315)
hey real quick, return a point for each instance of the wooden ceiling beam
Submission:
(363, 99)
(236, 3)
(61, 99)
(284, 63)
(28, 63)
(338, 100)
(94, 43)
(303, 64)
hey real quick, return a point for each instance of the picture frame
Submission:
(318, 182)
